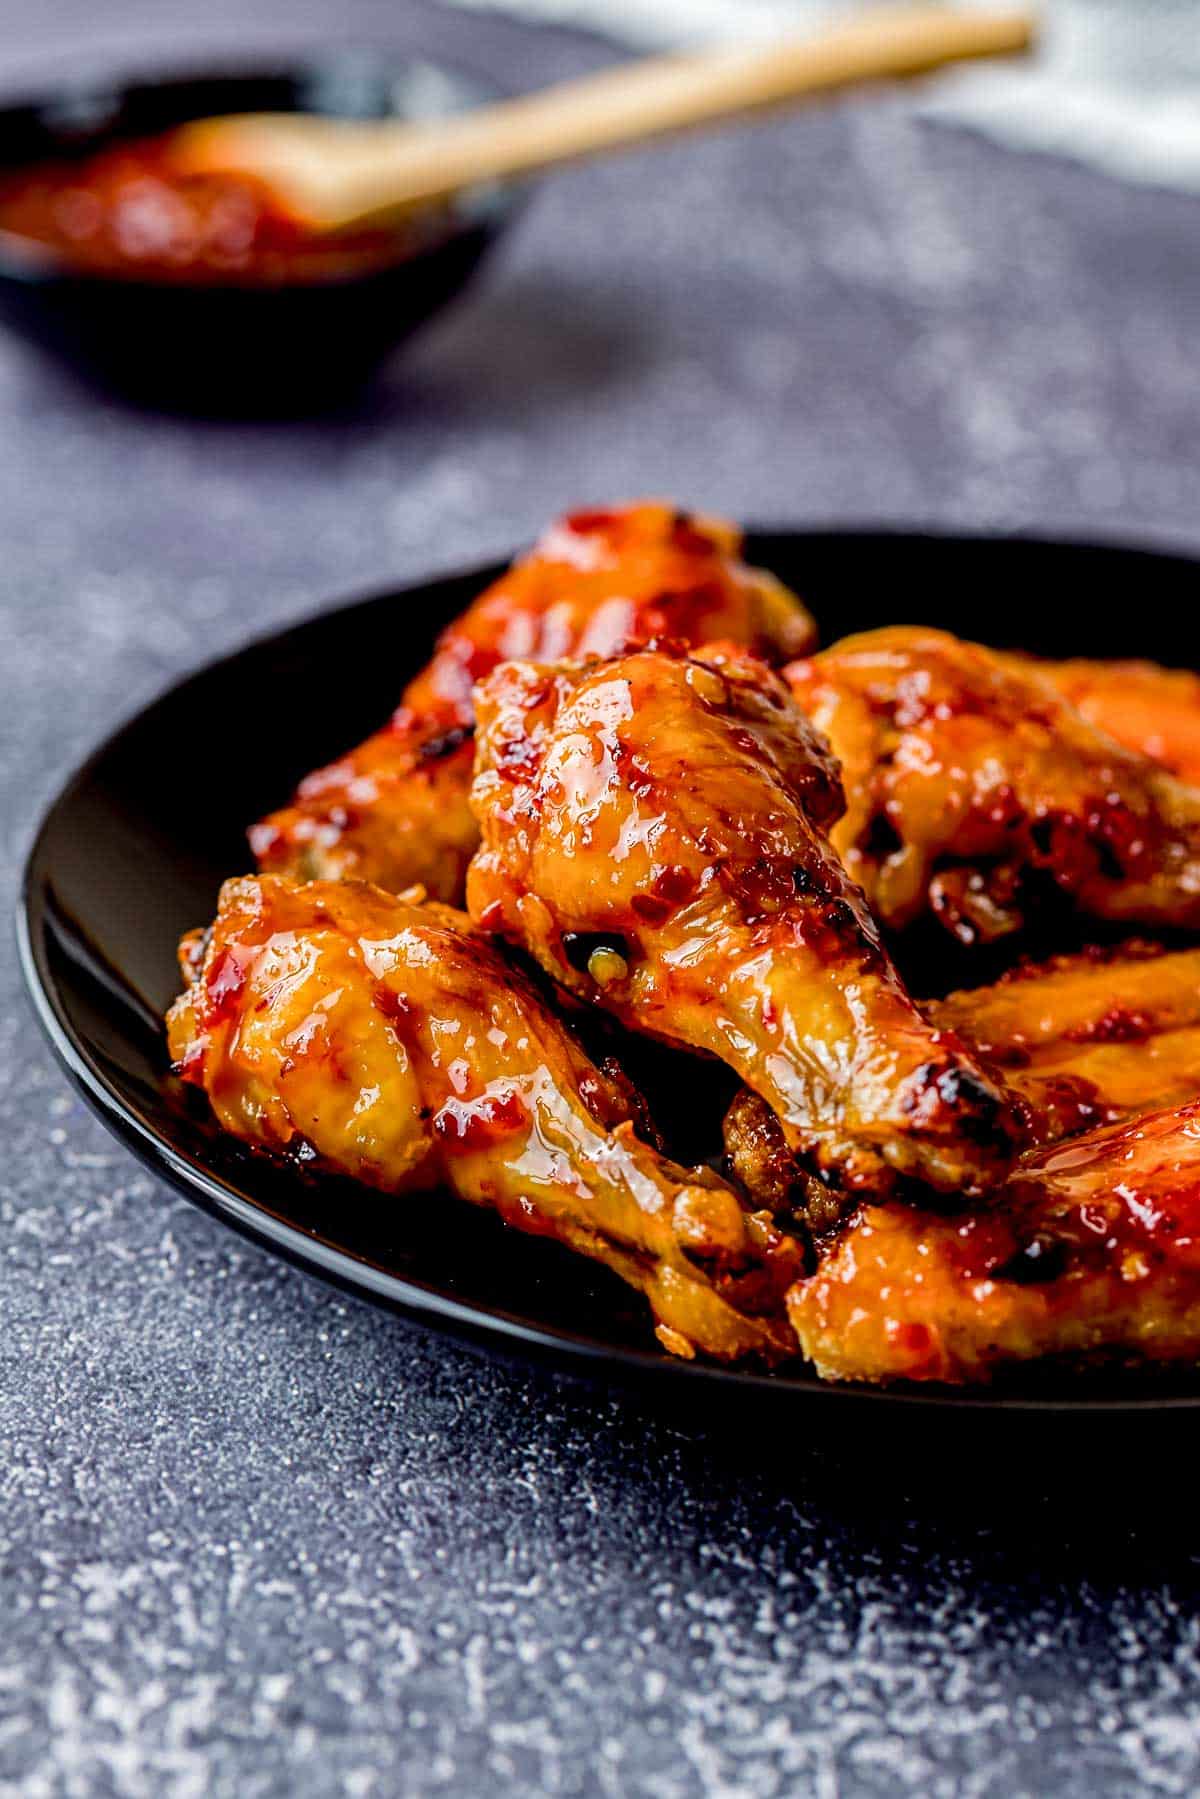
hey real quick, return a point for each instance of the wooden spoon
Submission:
(335, 174)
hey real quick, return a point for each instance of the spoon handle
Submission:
(341, 174)
(634, 102)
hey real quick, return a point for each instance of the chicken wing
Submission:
(976, 792)
(654, 834)
(1087, 1040)
(1147, 708)
(1094, 1248)
(386, 1041)
(1080, 1042)
(394, 811)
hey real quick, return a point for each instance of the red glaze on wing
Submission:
(975, 791)
(1094, 1247)
(393, 1044)
(395, 810)
(654, 833)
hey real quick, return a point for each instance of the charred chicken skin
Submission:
(1093, 1248)
(390, 1043)
(395, 810)
(975, 790)
(654, 834)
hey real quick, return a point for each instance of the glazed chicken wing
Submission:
(395, 810)
(1083, 1041)
(1087, 1040)
(1147, 708)
(1094, 1247)
(654, 833)
(391, 1044)
(975, 791)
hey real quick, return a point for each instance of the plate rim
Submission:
(432, 1308)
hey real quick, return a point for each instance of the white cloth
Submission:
(1116, 83)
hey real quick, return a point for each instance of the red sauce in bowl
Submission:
(127, 213)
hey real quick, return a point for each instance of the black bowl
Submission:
(240, 349)
(133, 851)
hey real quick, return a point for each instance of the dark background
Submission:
(257, 1539)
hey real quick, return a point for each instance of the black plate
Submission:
(133, 851)
(238, 349)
